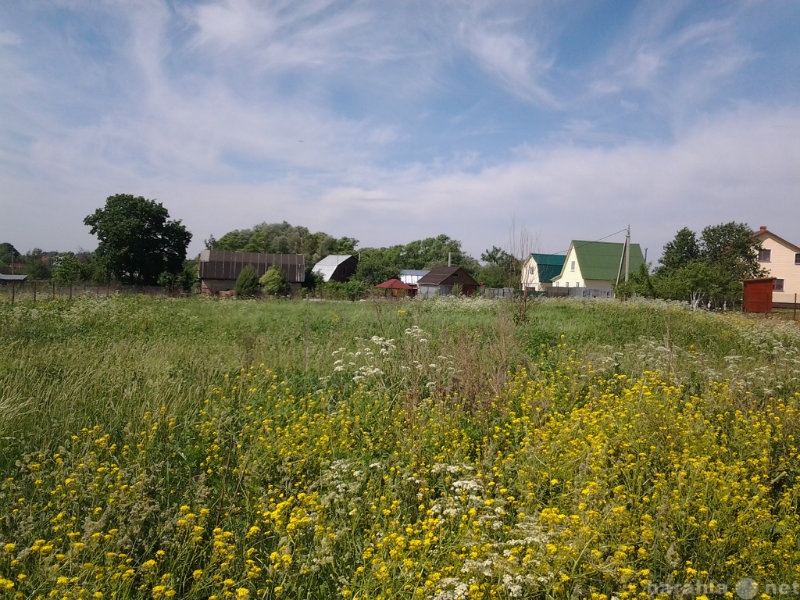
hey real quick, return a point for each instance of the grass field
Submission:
(194, 448)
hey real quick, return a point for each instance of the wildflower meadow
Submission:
(440, 449)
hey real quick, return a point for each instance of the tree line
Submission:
(705, 270)
(140, 244)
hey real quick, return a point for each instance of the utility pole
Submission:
(625, 259)
(628, 255)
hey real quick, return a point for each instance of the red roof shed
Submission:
(396, 287)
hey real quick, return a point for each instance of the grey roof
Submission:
(412, 276)
(8, 277)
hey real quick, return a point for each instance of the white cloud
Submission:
(392, 122)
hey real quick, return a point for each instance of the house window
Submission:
(778, 285)
(567, 284)
(764, 255)
(531, 270)
(572, 265)
(797, 258)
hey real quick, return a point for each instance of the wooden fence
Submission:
(35, 291)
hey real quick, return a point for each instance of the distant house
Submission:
(538, 271)
(596, 267)
(412, 276)
(336, 267)
(219, 269)
(781, 260)
(440, 281)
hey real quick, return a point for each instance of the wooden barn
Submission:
(440, 281)
(336, 267)
(219, 269)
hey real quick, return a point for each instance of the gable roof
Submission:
(763, 233)
(447, 276)
(602, 260)
(394, 284)
(549, 265)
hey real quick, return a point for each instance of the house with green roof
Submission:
(538, 271)
(596, 266)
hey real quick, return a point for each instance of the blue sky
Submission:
(516, 124)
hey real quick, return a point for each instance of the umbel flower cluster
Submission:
(572, 482)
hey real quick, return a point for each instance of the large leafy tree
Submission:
(137, 239)
(732, 247)
(499, 269)
(678, 252)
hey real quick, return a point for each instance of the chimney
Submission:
(763, 228)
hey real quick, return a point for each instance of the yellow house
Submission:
(781, 260)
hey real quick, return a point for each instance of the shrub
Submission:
(274, 283)
(247, 284)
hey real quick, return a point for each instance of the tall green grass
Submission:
(157, 448)
(107, 361)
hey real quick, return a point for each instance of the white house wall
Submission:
(530, 280)
(571, 273)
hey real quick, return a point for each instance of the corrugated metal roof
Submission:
(9, 277)
(549, 265)
(412, 276)
(227, 265)
(601, 260)
(327, 266)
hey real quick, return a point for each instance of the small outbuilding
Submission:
(441, 281)
(757, 294)
(396, 288)
(6, 278)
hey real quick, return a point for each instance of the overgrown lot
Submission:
(155, 448)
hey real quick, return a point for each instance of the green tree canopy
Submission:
(708, 270)
(683, 249)
(137, 239)
(732, 247)
(379, 264)
(283, 238)
(66, 269)
(500, 269)
(8, 253)
(37, 264)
